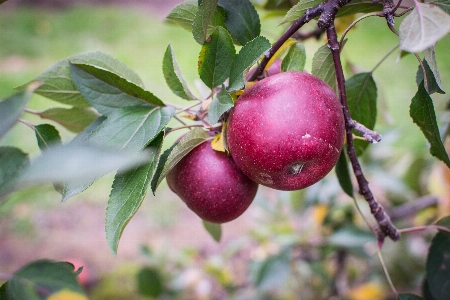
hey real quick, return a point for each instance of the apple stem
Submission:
(386, 227)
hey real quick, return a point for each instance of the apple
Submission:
(286, 131)
(211, 185)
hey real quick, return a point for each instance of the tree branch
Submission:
(386, 228)
(308, 16)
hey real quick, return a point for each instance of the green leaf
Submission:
(323, 66)
(298, 10)
(42, 279)
(74, 119)
(362, 103)
(272, 272)
(241, 20)
(131, 128)
(150, 282)
(438, 266)
(247, 56)
(74, 187)
(343, 174)
(12, 108)
(183, 14)
(430, 81)
(295, 59)
(128, 192)
(409, 297)
(107, 91)
(191, 140)
(359, 6)
(57, 81)
(159, 168)
(444, 5)
(220, 104)
(215, 230)
(423, 27)
(173, 76)
(422, 112)
(46, 136)
(216, 57)
(351, 237)
(444, 222)
(430, 56)
(3, 292)
(201, 27)
(75, 162)
(13, 162)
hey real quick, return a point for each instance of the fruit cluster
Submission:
(285, 132)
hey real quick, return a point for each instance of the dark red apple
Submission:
(211, 185)
(286, 131)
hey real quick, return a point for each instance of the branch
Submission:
(316, 33)
(308, 16)
(369, 135)
(412, 208)
(386, 228)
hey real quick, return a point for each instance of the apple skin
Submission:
(286, 131)
(211, 185)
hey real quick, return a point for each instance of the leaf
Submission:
(12, 108)
(323, 66)
(203, 21)
(299, 10)
(159, 168)
(241, 20)
(362, 103)
(438, 266)
(430, 82)
(359, 6)
(422, 112)
(183, 14)
(350, 237)
(3, 293)
(247, 56)
(444, 5)
(12, 164)
(131, 128)
(45, 279)
(409, 297)
(46, 136)
(74, 187)
(74, 119)
(150, 282)
(295, 59)
(128, 192)
(57, 81)
(423, 27)
(191, 140)
(216, 57)
(273, 271)
(173, 76)
(107, 91)
(75, 162)
(343, 174)
(215, 230)
(444, 222)
(218, 143)
(220, 104)
(432, 71)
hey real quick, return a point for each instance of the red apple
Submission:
(286, 131)
(211, 185)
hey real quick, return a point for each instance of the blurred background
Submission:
(285, 244)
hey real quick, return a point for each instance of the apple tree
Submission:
(262, 119)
